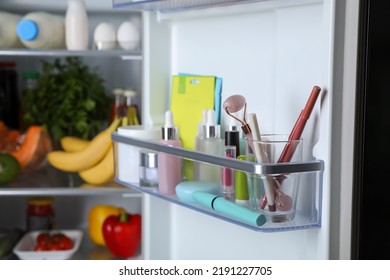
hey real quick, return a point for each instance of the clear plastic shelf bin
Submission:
(308, 205)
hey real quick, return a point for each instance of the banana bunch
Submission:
(73, 143)
(102, 172)
(93, 160)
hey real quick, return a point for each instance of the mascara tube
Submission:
(229, 208)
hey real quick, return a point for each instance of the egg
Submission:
(128, 35)
(105, 36)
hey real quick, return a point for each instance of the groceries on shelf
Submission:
(70, 29)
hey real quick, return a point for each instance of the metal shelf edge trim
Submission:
(246, 166)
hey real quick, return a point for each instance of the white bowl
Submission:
(25, 247)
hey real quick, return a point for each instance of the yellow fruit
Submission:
(87, 157)
(73, 143)
(96, 217)
(102, 172)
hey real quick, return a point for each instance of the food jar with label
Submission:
(40, 213)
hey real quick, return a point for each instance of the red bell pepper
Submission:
(122, 234)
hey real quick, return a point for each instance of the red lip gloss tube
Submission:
(228, 180)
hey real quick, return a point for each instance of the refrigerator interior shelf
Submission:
(68, 191)
(308, 210)
(126, 55)
(50, 181)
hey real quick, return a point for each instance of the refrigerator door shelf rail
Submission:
(246, 166)
(308, 209)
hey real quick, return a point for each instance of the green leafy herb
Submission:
(70, 100)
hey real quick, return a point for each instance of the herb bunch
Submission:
(70, 100)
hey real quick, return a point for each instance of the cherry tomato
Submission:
(40, 247)
(53, 246)
(57, 237)
(43, 238)
(65, 243)
(53, 242)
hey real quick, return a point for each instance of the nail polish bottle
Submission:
(212, 144)
(169, 166)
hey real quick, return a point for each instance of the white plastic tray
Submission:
(25, 247)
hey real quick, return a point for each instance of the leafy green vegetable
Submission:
(70, 100)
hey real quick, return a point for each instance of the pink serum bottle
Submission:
(169, 166)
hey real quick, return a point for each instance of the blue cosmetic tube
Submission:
(224, 206)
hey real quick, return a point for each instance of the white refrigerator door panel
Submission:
(175, 232)
(273, 56)
(270, 58)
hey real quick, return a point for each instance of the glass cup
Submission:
(274, 195)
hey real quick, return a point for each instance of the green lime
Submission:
(9, 168)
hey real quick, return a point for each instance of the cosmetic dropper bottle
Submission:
(198, 140)
(212, 143)
(169, 166)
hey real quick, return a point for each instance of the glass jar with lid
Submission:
(40, 213)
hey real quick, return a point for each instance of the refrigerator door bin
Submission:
(308, 209)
